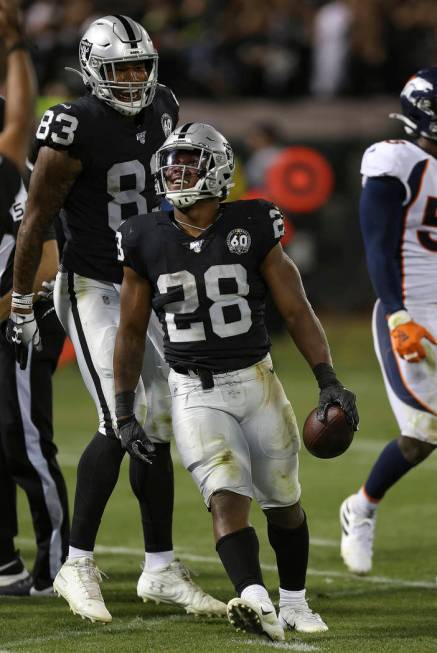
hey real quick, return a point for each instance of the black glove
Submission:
(21, 330)
(134, 440)
(336, 394)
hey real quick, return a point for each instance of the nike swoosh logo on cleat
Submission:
(264, 612)
(7, 565)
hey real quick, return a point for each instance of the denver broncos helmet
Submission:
(419, 104)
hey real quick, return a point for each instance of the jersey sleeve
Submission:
(129, 247)
(381, 223)
(10, 182)
(271, 226)
(391, 159)
(65, 127)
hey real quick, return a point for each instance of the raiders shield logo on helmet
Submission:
(84, 51)
(167, 124)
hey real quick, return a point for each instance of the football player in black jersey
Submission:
(205, 268)
(27, 451)
(93, 166)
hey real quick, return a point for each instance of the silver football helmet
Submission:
(214, 164)
(107, 42)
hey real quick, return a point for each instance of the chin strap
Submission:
(73, 70)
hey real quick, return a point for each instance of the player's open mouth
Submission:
(128, 97)
(178, 183)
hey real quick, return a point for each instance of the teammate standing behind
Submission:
(93, 166)
(204, 268)
(398, 214)
(27, 451)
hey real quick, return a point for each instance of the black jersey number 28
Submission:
(190, 303)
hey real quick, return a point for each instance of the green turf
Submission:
(394, 610)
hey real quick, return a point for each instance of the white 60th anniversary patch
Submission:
(238, 241)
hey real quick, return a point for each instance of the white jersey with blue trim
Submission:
(417, 171)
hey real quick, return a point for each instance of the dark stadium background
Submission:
(271, 74)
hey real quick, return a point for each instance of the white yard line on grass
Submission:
(281, 646)
(327, 573)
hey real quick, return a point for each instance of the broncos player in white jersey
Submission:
(93, 167)
(398, 213)
(205, 268)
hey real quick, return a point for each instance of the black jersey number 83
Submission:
(62, 133)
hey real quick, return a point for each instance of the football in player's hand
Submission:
(329, 438)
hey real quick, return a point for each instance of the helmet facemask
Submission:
(127, 97)
(199, 159)
(183, 175)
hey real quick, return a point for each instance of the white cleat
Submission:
(47, 591)
(357, 533)
(255, 617)
(13, 572)
(301, 619)
(78, 583)
(173, 585)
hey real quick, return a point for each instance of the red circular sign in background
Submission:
(300, 179)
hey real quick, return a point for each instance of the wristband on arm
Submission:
(124, 404)
(21, 301)
(325, 375)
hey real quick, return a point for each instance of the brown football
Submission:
(330, 438)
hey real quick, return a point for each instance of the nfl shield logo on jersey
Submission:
(238, 241)
(196, 246)
(167, 124)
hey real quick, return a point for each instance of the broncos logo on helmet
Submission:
(419, 104)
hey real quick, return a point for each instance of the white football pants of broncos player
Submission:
(241, 435)
(411, 387)
(89, 311)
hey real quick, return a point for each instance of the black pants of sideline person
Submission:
(28, 453)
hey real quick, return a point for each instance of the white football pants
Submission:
(411, 387)
(89, 311)
(241, 435)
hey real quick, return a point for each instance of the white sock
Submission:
(362, 504)
(291, 597)
(255, 593)
(74, 553)
(158, 560)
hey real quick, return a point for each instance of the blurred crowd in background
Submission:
(275, 48)
(292, 61)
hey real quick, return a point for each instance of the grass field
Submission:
(393, 610)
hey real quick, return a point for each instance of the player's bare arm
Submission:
(20, 87)
(54, 175)
(135, 307)
(135, 310)
(46, 272)
(131, 335)
(285, 284)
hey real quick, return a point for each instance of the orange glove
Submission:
(406, 336)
